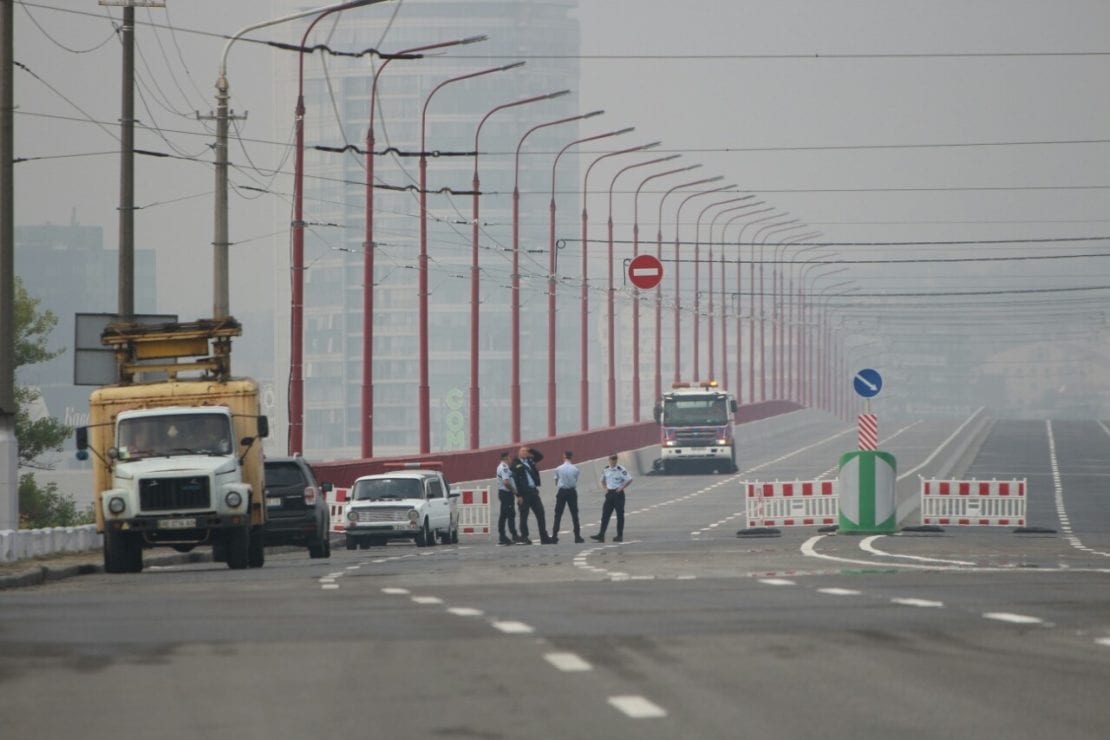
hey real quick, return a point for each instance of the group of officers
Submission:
(518, 488)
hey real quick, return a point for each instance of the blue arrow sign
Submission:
(868, 382)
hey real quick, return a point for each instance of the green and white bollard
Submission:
(867, 501)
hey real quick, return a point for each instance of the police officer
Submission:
(506, 493)
(566, 481)
(615, 478)
(526, 477)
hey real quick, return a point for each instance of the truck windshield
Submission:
(693, 411)
(174, 434)
(385, 489)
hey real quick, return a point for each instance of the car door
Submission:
(437, 504)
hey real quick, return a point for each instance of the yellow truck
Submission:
(177, 462)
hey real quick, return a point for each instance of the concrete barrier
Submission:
(20, 544)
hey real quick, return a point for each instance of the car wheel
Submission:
(351, 543)
(455, 536)
(429, 534)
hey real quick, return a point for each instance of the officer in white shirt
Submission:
(506, 493)
(615, 478)
(566, 496)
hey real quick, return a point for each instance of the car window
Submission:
(435, 490)
(379, 489)
(284, 474)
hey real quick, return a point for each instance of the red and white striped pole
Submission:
(868, 431)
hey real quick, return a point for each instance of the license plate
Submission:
(274, 501)
(177, 523)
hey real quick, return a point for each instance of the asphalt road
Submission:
(682, 630)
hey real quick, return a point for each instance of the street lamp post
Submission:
(767, 232)
(515, 382)
(296, 292)
(739, 291)
(724, 313)
(802, 357)
(584, 351)
(367, 424)
(636, 291)
(778, 313)
(612, 343)
(697, 278)
(475, 407)
(659, 290)
(424, 390)
(678, 275)
(751, 296)
(551, 395)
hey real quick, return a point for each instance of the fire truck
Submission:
(695, 428)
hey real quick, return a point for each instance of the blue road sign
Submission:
(868, 382)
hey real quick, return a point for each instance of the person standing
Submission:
(615, 478)
(506, 493)
(526, 477)
(566, 481)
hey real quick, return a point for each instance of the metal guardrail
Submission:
(19, 544)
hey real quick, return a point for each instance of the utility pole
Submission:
(9, 446)
(126, 291)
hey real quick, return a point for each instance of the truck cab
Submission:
(695, 428)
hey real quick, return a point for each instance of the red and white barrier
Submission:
(474, 511)
(792, 503)
(973, 503)
(337, 506)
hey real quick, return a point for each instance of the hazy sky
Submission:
(871, 121)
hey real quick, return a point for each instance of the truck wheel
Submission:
(238, 548)
(134, 553)
(257, 555)
(123, 553)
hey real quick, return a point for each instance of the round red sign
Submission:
(645, 271)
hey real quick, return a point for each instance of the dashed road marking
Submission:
(1012, 618)
(924, 603)
(395, 591)
(465, 611)
(637, 707)
(427, 599)
(839, 591)
(513, 628)
(776, 582)
(1104, 641)
(567, 662)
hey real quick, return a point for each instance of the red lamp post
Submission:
(677, 279)
(584, 333)
(515, 389)
(724, 312)
(368, 246)
(295, 442)
(659, 290)
(551, 396)
(767, 232)
(612, 343)
(739, 292)
(636, 291)
(474, 405)
(778, 315)
(751, 297)
(424, 390)
(697, 277)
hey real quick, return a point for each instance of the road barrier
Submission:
(337, 507)
(973, 503)
(474, 511)
(17, 544)
(791, 503)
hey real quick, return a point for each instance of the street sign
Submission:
(645, 271)
(868, 382)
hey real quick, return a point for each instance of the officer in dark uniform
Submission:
(526, 477)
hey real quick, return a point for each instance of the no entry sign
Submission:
(645, 271)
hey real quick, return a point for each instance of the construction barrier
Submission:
(337, 507)
(474, 511)
(973, 503)
(791, 503)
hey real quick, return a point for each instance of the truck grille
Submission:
(390, 514)
(172, 494)
(696, 437)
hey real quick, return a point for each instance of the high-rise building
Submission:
(336, 95)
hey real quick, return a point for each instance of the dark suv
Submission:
(296, 510)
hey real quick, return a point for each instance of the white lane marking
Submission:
(1104, 641)
(513, 628)
(427, 599)
(395, 591)
(465, 611)
(943, 444)
(839, 591)
(924, 603)
(353, 567)
(776, 582)
(1058, 485)
(1012, 618)
(329, 586)
(637, 707)
(867, 545)
(567, 662)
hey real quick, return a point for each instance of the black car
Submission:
(296, 510)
